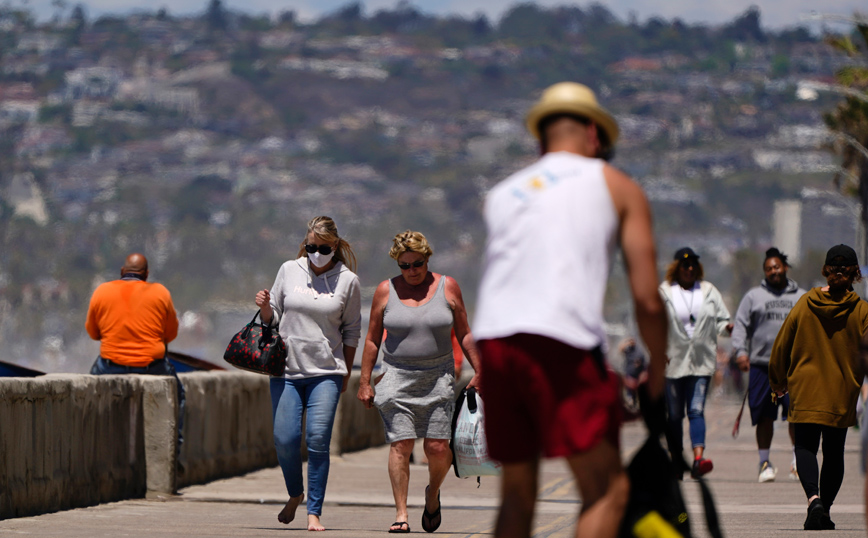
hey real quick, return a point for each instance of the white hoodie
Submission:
(316, 317)
(696, 356)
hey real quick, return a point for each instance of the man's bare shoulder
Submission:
(624, 189)
(618, 178)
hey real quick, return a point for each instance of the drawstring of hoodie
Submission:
(325, 278)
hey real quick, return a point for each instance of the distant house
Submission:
(92, 82)
(635, 63)
(17, 91)
(39, 42)
(18, 112)
(25, 196)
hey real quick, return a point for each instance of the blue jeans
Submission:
(159, 367)
(289, 399)
(686, 393)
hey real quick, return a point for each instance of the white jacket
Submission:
(695, 356)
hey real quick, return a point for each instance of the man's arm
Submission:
(91, 324)
(741, 331)
(640, 259)
(170, 324)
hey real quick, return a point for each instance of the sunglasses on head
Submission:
(405, 266)
(325, 250)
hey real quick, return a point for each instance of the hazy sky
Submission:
(775, 13)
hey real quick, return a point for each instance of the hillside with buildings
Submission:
(206, 142)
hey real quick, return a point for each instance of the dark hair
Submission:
(607, 152)
(775, 253)
(672, 271)
(851, 271)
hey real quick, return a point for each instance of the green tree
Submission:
(849, 120)
(215, 15)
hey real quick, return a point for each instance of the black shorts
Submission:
(760, 397)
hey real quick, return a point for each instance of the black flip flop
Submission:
(400, 529)
(429, 517)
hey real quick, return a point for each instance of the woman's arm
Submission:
(779, 362)
(462, 328)
(351, 324)
(372, 344)
(270, 303)
(349, 357)
(722, 316)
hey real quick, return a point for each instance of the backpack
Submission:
(656, 507)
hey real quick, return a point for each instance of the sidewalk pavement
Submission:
(359, 501)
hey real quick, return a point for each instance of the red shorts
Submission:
(545, 397)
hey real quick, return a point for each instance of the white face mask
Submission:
(320, 260)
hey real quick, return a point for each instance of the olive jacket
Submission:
(816, 357)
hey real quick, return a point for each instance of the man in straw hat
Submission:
(552, 228)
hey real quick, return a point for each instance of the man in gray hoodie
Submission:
(759, 318)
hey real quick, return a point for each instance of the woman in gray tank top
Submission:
(416, 396)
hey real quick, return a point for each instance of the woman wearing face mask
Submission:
(816, 358)
(316, 303)
(415, 396)
(697, 316)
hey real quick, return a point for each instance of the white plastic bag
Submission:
(469, 448)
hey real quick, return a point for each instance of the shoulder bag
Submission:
(257, 348)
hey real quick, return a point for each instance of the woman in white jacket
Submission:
(697, 316)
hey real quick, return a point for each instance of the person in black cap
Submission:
(697, 316)
(816, 358)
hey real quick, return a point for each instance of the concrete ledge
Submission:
(356, 428)
(228, 427)
(68, 441)
(160, 411)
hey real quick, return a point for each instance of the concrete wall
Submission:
(228, 428)
(69, 441)
(76, 440)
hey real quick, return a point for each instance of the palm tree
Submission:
(849, 120)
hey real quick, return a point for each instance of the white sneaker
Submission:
(794, 473)
(767, 473)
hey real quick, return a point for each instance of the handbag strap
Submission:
(247, 327)
(471, 400)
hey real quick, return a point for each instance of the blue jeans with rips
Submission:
(159, 367)
(686, 392)
(289, 400)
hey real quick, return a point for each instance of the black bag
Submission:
(655, 492)
(257, 348)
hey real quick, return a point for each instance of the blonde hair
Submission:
(410, 241)
(326, 229)
(672, 270)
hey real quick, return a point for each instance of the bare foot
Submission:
(288, 513)
(313, 523)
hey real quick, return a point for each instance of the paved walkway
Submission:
(359, 500)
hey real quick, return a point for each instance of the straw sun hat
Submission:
(571, 98)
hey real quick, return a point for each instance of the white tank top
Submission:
(551, 231)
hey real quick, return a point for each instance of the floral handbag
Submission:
(257, 348)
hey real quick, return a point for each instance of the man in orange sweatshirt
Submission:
(134, 320)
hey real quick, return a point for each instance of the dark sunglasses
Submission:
(405, 266)
(690, 263)
(325, 250)
(843, 269)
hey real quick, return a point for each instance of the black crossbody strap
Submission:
(711, 518)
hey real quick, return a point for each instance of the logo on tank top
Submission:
(534, 185)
